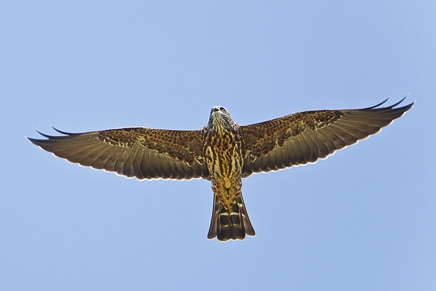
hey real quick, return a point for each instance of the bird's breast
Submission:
(223, 153)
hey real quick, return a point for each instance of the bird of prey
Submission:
(223, 152)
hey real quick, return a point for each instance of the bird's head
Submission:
(220, 119)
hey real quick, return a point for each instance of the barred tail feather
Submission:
(233, 224)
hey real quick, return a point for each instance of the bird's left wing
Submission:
(143, 153)
(304, 137)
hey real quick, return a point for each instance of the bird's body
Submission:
(224, 159)
(222, 152)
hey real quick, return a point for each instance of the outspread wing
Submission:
(143, 153)
(304, 137)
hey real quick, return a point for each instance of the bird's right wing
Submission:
(304, 137)
(143, 153)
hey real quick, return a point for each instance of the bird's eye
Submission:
(223, 109)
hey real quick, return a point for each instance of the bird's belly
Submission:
(226, 180)
(224, 160)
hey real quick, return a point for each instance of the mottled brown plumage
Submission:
(222, 152)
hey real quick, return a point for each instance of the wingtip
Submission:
(392, 106)
(32, 140)
(37, 141)
(43, 134)
(406, 107)
(412, 103)
(49, 136)
(377, 105)
(62, 132)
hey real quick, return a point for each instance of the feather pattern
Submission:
(138, 152)
(305, 137)
(222, 152)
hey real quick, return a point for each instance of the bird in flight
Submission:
(223, 152)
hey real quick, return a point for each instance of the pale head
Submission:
(220, 118)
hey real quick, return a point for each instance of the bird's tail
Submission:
(233, 224)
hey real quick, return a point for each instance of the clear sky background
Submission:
(364, 219)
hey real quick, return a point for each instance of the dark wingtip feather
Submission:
(40, 142)
(44, 135)
(407, 107)
(63, 132)
(32, 140)
(375, 106)
(404, 108)
(37, 142)
(392, 106)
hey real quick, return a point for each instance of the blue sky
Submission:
(364, 219)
